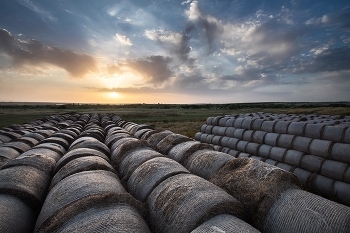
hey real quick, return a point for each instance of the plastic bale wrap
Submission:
(300, 211)
(171, 140)
(150, 174)
(87, 163)
(78, 193)
(26, 183)
(183, 151)
(205, 163)
(257, 185)
(7, 154)
(15, 215)
(183, 202)
(225, 223)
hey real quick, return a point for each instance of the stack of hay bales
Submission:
(314, 147)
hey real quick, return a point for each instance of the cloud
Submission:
(122, 39)
(32, 52)
(154, 69)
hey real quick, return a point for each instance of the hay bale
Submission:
(312, 163)
(134, 159)
(147, 134)
(120, 152)
(8, 153)
(154, 139)
(314, 131)
(15, 215)
(121, 141)
(87, 163)
(293, 157)
(230, 131)
(117, 217)
(334, 169)
(297, 128)
(115, 137)
(35, 136)
(346, 138)
(222, 121)
(51, 146)
(301, 144)
(78, 193)
(19, 146)
(248, 135)
(271, 139)
(205, 163)
(264, 150)
(257, 124)
(232, 143)
(285, 141)
(304, 177)
(197, 136)
(320, 147)
(222, 131)
(238, 133)
(281, 127)
(224, 141)
(258, 136)
(91, 143)
(238, 123)
(28, 140)
(300, 211)
(271, 162)
(277, 153)
(225, 223)
(150, 174)
(26, 183)
(183, 151)
(255, 184)
(168, 142)
(347, 176)
(216, 140)
(322, 185)
(285, 166)
(234, 153)
(4, 138)
(252, 148)
(183, 202)
(57, 140)
(268, 126)
(77, 153)
(333, 133)
(43, 152)
(340, 152)
(342, 192)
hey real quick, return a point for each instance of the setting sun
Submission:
(113, 94)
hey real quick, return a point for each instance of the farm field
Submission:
(182, 119)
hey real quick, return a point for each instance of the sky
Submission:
(170, 51)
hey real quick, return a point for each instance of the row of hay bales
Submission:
(273, 198)
(99, 173)
(316, 149)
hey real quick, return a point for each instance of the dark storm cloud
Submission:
(32, 52)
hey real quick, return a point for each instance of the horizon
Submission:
(174, 52)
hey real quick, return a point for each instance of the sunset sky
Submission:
(169, 51)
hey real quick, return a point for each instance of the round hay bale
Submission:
(347, 176)
(67, 137)
(147, 134)
(51, 146)
(28, 140)
(293, 157)
(43, 152)
(87, 163)
(115, 137)
(56, 140)
(230, 132)
(197, 136)
(300, 211)
(234, 153)
(281, 127)
(312, 163)
(183, 202)
(35, 136)
(117, 217)
(19, 146)
(183, 151)
(154, 139)
(119, 154)
(257, 124)
(271, 139)
(229, 122)
(121, 141)
(258, 137)
(238, 123)
(247, 123)
(243, 155)
(97, 134)
(342, 192)
(215, 120)
(209, 138)
(134, 159)
(285, 141)
(26, 183)
(320, 147)
(257, 157)
(333, 133)
(301, 144)
(44, 132)
(67, 132)
(224, 141)
(11, 135)
(322, 185)
(150, 174)
(285, 166)
(255, 184)
(15, 215)
(80, 192)
(340, 152)
(304, 177)
(77, 153)
(91, 143)
(225, 150)
(216, 140)
(141, 132)
(167, 143)
(202, 128)
(4, 138)
(248, 135)
(241, 145)
(204, 137)
(277, 153)
(215, 130)
(296, 128)
(205, 163)
(140, 127)
(346, 138)
(225, 223)
(268, 126)
(41, 162)
(334, 169)
(8, 153)
(271, 162)
(222, 121)
(238, 133)
(264, 150)
(252, 148)
(232, 143)
(314, 130)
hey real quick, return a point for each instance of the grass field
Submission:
(183, 119)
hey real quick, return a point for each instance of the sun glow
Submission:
(113, 94)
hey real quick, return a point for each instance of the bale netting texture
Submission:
(183, 151)
(15, 215)
(154, 139)
(300, 211)
(151, 173)
(113, 218)
(225, 223)
(183, 202)
(205, 163)
(255, 184)
(26, 183)
(170, 141)
(90, 142)
(79, 192)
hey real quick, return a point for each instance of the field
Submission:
(182, 119)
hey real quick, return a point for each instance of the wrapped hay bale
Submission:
(77, 153)
(110, 139)
(183, 202)
(121, 141)
(26, 183)
(255, 184)
(300, 211)
(171, 140)
(151, 173)
(51, 146)
(155, 138)
(7, 154)
(149, 133)
(182, 151)
(205, 163)
(225, 223)
(87, 163)
(117, 217)
(15, 215)
(56, 140)
(78, 193)
(341, 191)
(139, 133)
(90, 142)
(19, 146)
